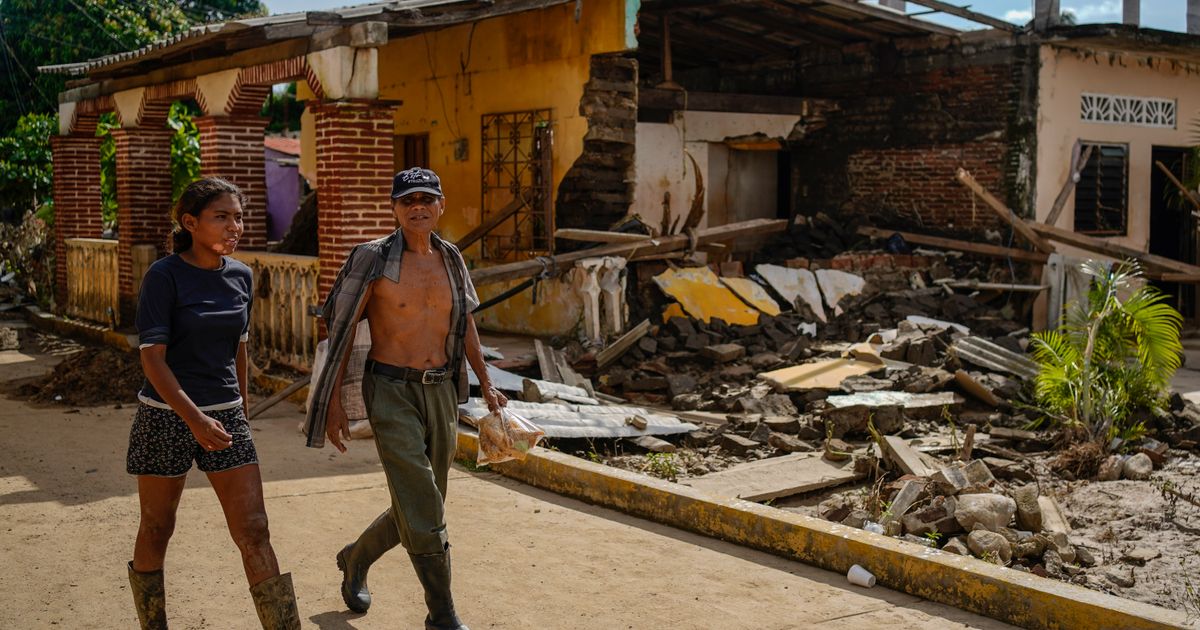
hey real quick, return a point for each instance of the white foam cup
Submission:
(859, 576)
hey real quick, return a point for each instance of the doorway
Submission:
(1172, 225)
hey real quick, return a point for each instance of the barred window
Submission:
(1101, 194)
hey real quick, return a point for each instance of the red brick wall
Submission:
(143, 200)
(76, 160)
(354, 180)
(232, 148)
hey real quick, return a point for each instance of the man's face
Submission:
(419, 211)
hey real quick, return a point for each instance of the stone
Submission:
(1137, 467)
(835, 508)
(937, 517)
(648, 345)
(737, 373)
(908, 494)
(696, 341)
(1053, 563)
(856, 519)
(1061, 545)
(724, 353)
(699, 438)
(681, 384)
(1084, 556)
(789, 443)
(686, 402)
(10, 339)
(1120, 577)
(1029, 513)
(648, 384)
(1140, 556)
(958, 477)
(992, 511)
(920, 540)
(989, 546)
(956, 545)
(782, 424)
(765, 360)
(736, 444)
(760, 434)
(1110, 469)
(681, 327)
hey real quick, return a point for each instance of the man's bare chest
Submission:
(423, 288)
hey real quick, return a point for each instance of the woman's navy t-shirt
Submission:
(200, 315)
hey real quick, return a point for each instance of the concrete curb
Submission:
(1011, 596)
(74, 328)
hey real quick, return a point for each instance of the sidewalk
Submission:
(523, 558)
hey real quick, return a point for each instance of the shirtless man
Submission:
(416, 293)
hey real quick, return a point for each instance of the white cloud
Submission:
(1104, 11)
(1018, 17)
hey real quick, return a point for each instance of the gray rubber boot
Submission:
(356, 559)
(149, 598)
(433, 569)
(275, 600)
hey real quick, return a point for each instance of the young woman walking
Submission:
(193, 317)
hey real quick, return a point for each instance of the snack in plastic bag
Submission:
(504, 435)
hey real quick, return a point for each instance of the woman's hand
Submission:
(210, 433)
(495, 398)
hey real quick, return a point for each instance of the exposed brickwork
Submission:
(354, 176)
(76, 161)
(597, 191)
(232, 148)
(143, 200)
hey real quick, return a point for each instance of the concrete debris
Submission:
(989, 546)
(1138, 467)
(992, 511)
(798, 287)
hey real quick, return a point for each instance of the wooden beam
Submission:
(296, 386)
(598, 236)
(1112, 250)
(1004, 212)
(660, 245)
(653, 98)
(982, 249)
(1191, 196)
(622, 345)
(816, 19)
(886, 15)
(748, 42)
(490, 224)
(968, 14)
(1068, 186)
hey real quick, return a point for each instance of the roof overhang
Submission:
(1125, 38)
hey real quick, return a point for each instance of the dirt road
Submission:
(524, 558)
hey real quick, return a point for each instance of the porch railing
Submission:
(92, 279)
(280, 326)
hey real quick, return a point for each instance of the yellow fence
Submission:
(92, 279)
(280, 326)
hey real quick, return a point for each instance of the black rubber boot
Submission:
(275, 600)
(149, 598)
(433, 569)
(356, 559)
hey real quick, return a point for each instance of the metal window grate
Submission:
(517, 164)
(1101, 194)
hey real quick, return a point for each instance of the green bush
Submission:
(1111, 357)
(26, 175)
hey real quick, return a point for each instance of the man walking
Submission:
(416, 293)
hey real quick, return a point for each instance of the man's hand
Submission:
(210, 433)
(494, 398)
(337, 426)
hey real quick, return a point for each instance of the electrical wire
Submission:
(13, 54)
(11, 78)
(100, 26)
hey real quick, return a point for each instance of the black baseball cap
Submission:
(416, 179)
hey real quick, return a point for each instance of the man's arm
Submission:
(494, 398)
(337, 426)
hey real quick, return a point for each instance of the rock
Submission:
(789, 443)
(9, 339)
(1029, 513)
(835, 508)
(1084, 556)
(737, 373)
(681, 327)
(1053, 563)
(648, 345)
(992, 511)
(856, 519)
(724, 353)
(989, 546)
(1120, 577)
(760, 433)
(782, 424)
(686, 402)
(908, 494)
(648, 384)
(1110, 469)
(1137, 467)
(679, 384)
(736, 444)
(1060, 544)
(938, 517)
(956, 478)
(956, 545)
(699, 438)
(920, 540)
(765, 360)
(1140, 556)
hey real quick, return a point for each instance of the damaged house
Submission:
(547, 115)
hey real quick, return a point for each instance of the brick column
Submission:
(232, 148)
(76, 160)
(143, 201)
(354, 180)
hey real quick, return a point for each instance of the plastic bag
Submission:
(504, 436)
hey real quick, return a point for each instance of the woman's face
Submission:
(219, 226)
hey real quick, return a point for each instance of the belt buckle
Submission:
(433, 377)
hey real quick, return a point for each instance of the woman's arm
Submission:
(243, 375)
(209, 433)
(474, 350)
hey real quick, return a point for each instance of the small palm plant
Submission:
(1111, 357)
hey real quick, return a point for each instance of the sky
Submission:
(1163, 14)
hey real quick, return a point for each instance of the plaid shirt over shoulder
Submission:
(367, 263)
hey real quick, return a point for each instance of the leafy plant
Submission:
(1111, 357)
(662, 465)
(185, 146)
(26, 173)
(108, 168)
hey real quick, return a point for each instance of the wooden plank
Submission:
(968, 14)
(1068, 186)
(906, 459)
(1191, 195)
(620, 346)
(1004, 212)
(568, 374)
(545, 359)
(776, 477)
(598, 236)
(968, 444)
(982, 249)
(482, 229)
(661, 245)
(993, 286)
(1111, 249)
(274, 400)
(974, 388)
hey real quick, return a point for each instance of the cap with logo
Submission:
(416, 179)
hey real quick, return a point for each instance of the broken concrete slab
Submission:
(775, 477)
(905, 497)
(836, 285)
(797, 286)
(565, 420)
(700, 292)
(737, 444)
(929, 322)
(826, 374)
(915, 405)
(654, 445)
(906, 459)
(533, 390)
(992, 511)
(1054, 520)
(753, 293)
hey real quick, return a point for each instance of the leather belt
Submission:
(425, 377)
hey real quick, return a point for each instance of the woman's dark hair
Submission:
(193, 201)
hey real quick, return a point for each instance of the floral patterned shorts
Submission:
(162, 445)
